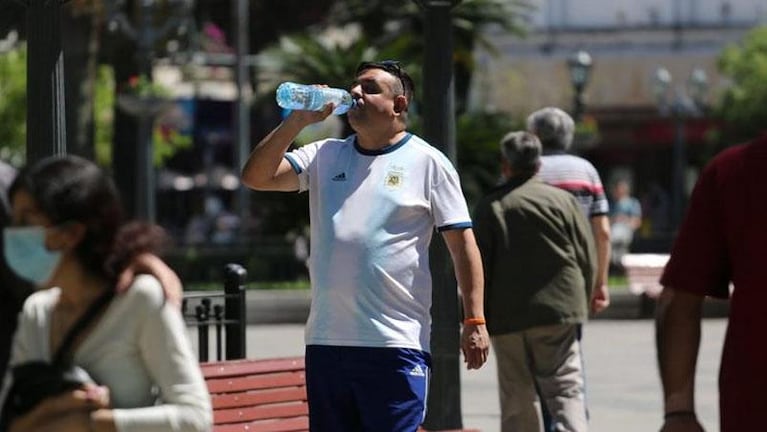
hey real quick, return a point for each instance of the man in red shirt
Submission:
(723, 239)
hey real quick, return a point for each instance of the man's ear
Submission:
(400, 104)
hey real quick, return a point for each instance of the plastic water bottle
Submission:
(312, 98)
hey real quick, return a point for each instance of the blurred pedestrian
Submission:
(14, 290)
(722, 240)
(375, 198)
(625, 219)
(68, 237)
(555, 128)
(539, 264)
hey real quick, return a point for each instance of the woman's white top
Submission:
(139, 349)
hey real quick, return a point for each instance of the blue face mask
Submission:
(27, 256)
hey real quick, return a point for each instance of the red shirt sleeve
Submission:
(699, 262)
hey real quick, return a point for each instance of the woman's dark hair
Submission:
(73, 189)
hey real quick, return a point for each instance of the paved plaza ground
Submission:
(623, 386)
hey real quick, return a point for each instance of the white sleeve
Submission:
(165, 348)
(448, 205)
(301, 159)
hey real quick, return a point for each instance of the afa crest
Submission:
(393, 179)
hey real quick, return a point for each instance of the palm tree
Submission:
(311, 59)
(397, 26)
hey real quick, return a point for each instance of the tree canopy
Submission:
(13, 99)
(744, 104)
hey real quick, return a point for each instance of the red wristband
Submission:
(474, 321)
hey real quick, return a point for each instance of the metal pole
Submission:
(242, 118)
(578, 103)
(145, 175)
(46, 119)
(444, 402)
(678, 166)
(145, 196)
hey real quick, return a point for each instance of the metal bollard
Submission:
(234, 311)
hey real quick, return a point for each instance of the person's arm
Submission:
(266, 168)
(636, 214)
(152, 264)
(585, 250)
(475, 342)
(600, 296)
(174, 370)
(677, 334)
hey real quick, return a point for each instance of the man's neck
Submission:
(377, 141)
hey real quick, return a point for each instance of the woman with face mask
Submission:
(68, 236)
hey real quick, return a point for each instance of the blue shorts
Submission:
(354, 389)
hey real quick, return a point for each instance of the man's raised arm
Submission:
(266, 169)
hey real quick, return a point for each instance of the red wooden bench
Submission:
(266, 395)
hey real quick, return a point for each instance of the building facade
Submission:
(631, 134)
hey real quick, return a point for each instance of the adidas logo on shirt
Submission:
(417, 371)
(339, 177)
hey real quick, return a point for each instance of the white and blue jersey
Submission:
(372, 217)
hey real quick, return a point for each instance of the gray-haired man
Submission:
(539, 260)
(555, 128)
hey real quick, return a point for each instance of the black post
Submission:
(145, 172)
(444, 403)
(234, 310)
(240, 11)
(46, 118)
(679, 161)
(577, 103)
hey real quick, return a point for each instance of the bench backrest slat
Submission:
(233, 368)
(244, 399)
(298, 424)
(271, 411)
(251, 382)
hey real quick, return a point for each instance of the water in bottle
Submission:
(312, 98)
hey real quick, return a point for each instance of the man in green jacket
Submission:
(539, 262)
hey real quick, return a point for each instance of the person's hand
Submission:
(682, 424)
(98, 395)
(305, 118)
(69, 411)
(600, 299)
(475, 344)
(153, 265)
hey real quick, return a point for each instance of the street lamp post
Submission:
(681, 105)
(146, 36)
(579, 65)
